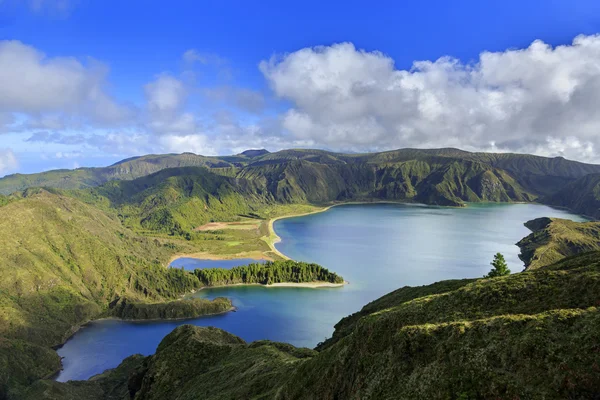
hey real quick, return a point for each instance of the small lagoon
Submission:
(377, 248)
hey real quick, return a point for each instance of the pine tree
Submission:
(499, 267)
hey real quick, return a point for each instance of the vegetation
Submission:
(128, 169)
(97, 236)
(582, 195)
(62, 262)
(527, 335)
(441, 176)
(22, 363)
(178, 309)
(553, 239)
(499, 267)
(267, 274)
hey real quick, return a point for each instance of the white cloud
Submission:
(539, 99)
(8, 161)
(165, 95)
(166, 99)
(199, 144)
(34, 84)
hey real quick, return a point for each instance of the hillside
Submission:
(553, 239)
(528, 335)
(582, 195)
(128, 169)
(177, 199)
(64, 262)
(61, 263)
(180, 199)
(436, 176)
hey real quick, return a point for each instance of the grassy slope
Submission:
(62, 260)
(529, 335)
(179, 309)
(125, 170)
(61, 263)
(582, 195)
(177, 199)
(438, 176)
(553, 239)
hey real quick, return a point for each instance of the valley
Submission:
(78, 249)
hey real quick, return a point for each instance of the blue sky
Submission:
(87, 83)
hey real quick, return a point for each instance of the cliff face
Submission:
(582, 196)
(447, 176)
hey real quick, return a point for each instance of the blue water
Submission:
(377, 248)
(190, 264)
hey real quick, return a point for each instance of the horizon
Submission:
(217, 78)
(132, 158)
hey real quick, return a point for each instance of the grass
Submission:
(553, 239)
(525, 336)
(66, 254)
(180, 309)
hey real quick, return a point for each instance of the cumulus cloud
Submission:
(165, 95)
(166, 99)
(198, 143)
(8, 161)
(34, 84)
(539, 99)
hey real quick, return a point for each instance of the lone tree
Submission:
(499, 267)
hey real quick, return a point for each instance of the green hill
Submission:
(96, 243)
(436, 176)
(64, 262)
(582, 195)
(177, 199)
(528, 335)
(553, 239)
(124, 170)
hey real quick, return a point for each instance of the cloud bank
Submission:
(540, 99)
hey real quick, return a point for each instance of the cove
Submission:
(376, 247)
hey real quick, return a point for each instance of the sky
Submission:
(90, 82)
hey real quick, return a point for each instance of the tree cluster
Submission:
(267, 273)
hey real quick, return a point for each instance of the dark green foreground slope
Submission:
(530, 335)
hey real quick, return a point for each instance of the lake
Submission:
(376, 247)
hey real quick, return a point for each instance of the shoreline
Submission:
(230, 309)
(273, 238)
(310, 285)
